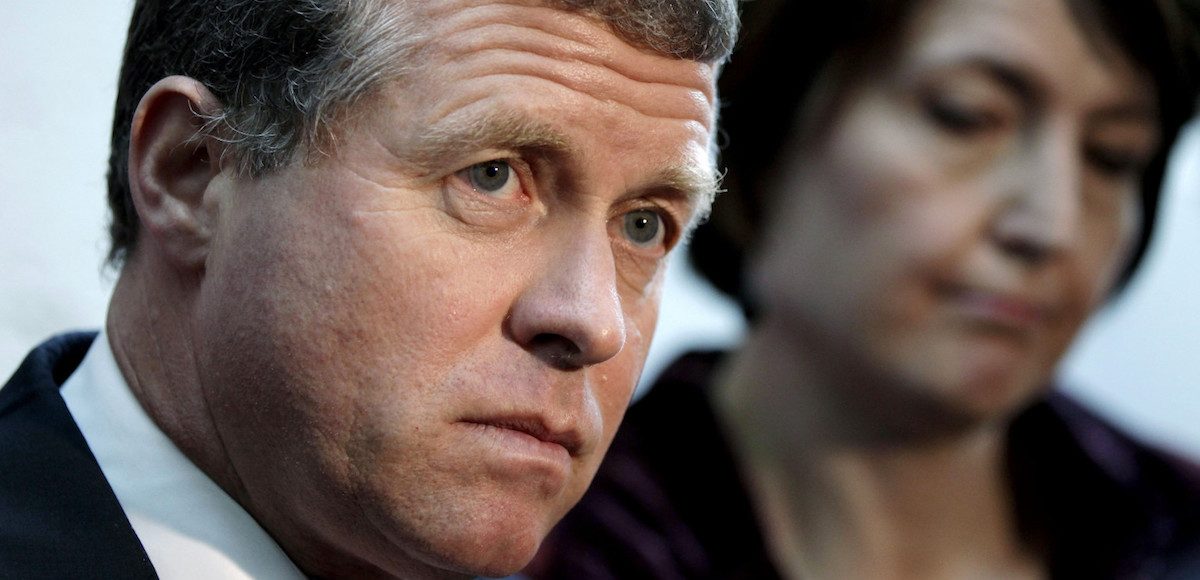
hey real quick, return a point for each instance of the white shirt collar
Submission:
(189, 526)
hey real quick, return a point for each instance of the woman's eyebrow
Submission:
(1025, 88)
(1003, 73)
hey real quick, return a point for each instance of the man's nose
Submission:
(1041, 215)
(570, 315)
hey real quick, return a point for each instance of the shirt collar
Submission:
(189, 526)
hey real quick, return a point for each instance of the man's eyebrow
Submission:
(460, 135)
(698, 184)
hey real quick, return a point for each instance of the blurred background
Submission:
(1135, 363)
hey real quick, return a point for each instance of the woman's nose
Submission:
(1043, 203)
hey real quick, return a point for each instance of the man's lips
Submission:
(533, 426)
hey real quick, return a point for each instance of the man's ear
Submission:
(171, 166)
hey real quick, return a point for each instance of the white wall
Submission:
(1138, 360)
(59, 63)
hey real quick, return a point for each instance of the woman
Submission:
(962, 183)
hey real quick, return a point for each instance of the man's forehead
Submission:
(435, 11)
(585, 23)
(700, 30)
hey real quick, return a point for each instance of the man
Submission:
(389, 271)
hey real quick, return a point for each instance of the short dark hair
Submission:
(284, 69)
(819, 56)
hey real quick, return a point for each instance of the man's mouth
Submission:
(534, 427)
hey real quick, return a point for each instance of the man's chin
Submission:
(493, 554)
(488, 535)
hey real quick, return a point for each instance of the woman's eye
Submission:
(960, 118)
(494, 178)
(644, 227)
(1115, 162)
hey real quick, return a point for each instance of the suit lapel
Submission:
(58, 516)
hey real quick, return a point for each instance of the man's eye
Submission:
(644, 227)
(492, 178)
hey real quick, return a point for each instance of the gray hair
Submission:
(284, 70)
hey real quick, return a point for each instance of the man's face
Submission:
(417, 349)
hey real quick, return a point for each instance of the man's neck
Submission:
(149, 330)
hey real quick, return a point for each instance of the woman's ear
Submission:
(172, 164)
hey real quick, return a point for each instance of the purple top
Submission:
(668, 502)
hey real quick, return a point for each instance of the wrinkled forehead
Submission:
(556, 29)
(700, 30)
(472, 41)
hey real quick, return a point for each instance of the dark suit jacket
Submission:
(58, 516)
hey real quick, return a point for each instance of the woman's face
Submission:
(966, 209)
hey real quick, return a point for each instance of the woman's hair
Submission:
(791, 66)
